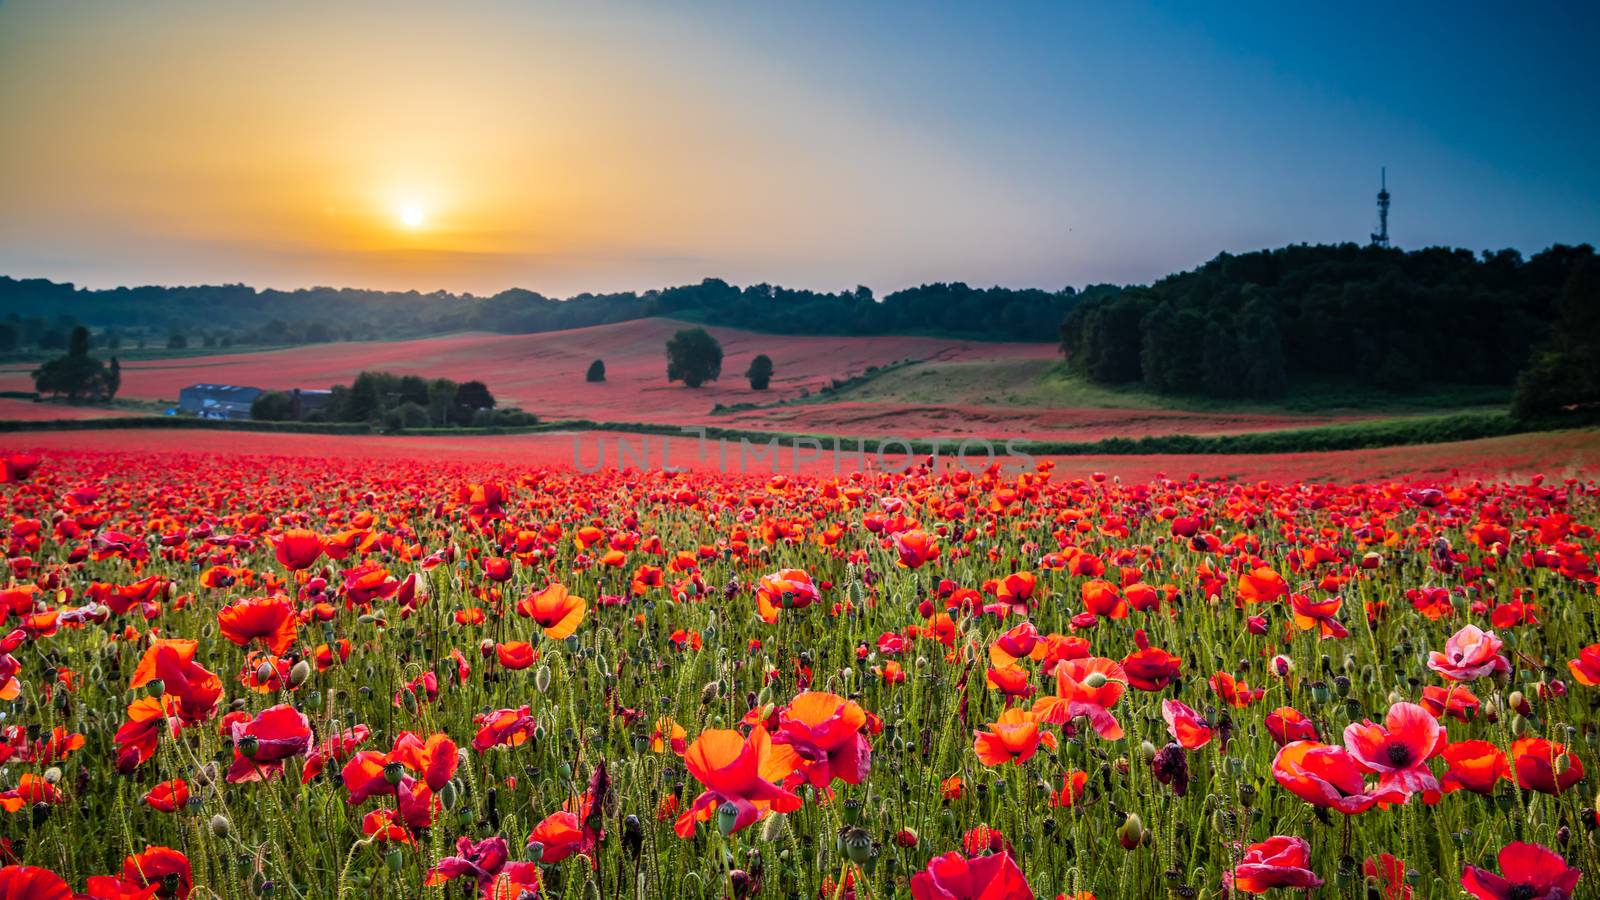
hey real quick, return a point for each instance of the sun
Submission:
(412, 216)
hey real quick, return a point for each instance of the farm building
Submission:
(218, 401)
(307, 402)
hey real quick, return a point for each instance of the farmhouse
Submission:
(218, 401)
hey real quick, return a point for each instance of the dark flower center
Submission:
(1522, 892)
(1399, 755)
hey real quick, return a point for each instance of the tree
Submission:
(272, 406)
(597, 371)
(474, 395)
(1566, 375)
(113, 379)
(176, 341)
(8, 338)
(693, 357)
(760, 372)
(77, 375)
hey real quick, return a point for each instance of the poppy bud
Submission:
(773, 828)
(299, 673)
(220, 826)
(448, 795)
(1131, 832)
(52, 775)
(1095, 680)
(541, 679)
(633, 835)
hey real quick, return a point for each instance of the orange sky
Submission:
(560, 150)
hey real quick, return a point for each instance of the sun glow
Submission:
(412, 216)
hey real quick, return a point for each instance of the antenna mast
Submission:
(1380, 238)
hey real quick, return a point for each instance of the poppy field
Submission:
(305, 677)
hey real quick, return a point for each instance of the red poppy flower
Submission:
(168, 796)
(1311, 614)
(172, 660)
(510, 727)
(514, 655)
(955, 877)
(1275, 862)
(1014, 738)
(739, 775)
(298, 548)
(261, 746)
(32, 883)
(1586, 668)
(1287, 724)
(556, 611)
(1073, 787)
(1262, 585)
(1013, 681)
(1545, 766)
(162, 867)
(1151, 668)
(1527, 872)
(1476, 766)
(914, 549)
(1469, 654)
(1102, 598)
(819, 736)
(1018, 642)
(1234, 692)
(1089, 688)
(271, 620)
(1328, 777)
(1399, 749)
(1390, 875)
(1455, 701)
(788, 589)
(1185, 725)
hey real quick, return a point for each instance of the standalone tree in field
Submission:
(474, 395)
(77, 375)
(597, 371)
(760, 372)
(693, 357)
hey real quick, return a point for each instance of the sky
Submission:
(479, 145)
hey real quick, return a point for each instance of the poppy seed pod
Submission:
(727, 818)
(856, 844)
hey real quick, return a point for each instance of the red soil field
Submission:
(544, 373)
(1556, 455)
(15, 410)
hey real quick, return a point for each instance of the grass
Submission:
(1047, 383)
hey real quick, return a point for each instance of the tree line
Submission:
(228, 315)
(1247, 325)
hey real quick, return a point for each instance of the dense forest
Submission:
(226, 315)
(1246, 325)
